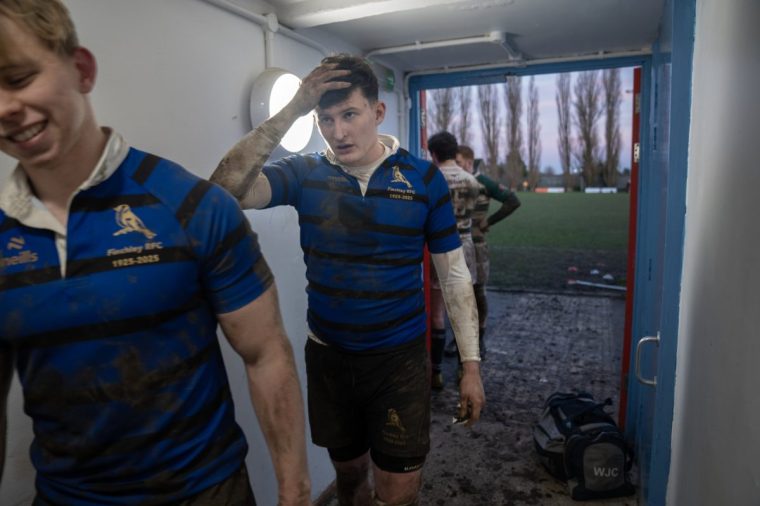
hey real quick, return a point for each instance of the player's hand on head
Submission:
(317, 83)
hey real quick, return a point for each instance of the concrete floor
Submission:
(537, 344)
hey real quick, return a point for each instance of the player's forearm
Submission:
(238, 170)
(276, 396)
(509, 206)
(463, 314)
(459, 297)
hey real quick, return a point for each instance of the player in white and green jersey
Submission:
(481, 222)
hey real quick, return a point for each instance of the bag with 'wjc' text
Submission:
(578, 442)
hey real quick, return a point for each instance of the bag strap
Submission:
(569, 423)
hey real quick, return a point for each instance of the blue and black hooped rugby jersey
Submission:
(119, 360)
(363, 253)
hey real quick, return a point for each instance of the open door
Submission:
(647, 298)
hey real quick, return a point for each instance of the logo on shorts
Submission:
(394, 420)
(398, 177)
(130, 222)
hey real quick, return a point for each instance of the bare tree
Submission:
(462, 102)
(562, 98)
(441, 110)
(587, 113)
(490, 118)
(612, 99)
(534, 135)
(515, 163)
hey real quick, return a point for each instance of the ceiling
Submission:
(456, 33)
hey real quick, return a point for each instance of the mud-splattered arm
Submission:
(240, 168)
(256, 333)
(458, 295)
(456, 287)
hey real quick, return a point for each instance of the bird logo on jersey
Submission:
(398, 177)
(130, 222)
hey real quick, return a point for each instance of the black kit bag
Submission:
(578, 442)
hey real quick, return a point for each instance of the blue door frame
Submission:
(653, 219)
(683, 20)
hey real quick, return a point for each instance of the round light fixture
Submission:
(272, 90)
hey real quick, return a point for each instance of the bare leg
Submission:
(396, 489)
(352, 482)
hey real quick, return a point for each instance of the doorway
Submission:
(637, 267)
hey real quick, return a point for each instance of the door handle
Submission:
(650, 339)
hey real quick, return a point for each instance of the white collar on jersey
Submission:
(18, 201)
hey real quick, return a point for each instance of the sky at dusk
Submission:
(547, 110)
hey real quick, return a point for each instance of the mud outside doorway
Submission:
(537, 343)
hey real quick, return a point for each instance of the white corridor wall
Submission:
(716, 426)
(175, 78)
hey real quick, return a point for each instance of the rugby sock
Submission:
(482, 302)
(437, 343)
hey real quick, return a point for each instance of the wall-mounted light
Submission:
(272, 90)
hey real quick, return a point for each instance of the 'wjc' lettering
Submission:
(606, 472)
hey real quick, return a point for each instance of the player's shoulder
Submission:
(402, 156)
(470, 177)
(484, 179)
(492, 186)
(171, 183)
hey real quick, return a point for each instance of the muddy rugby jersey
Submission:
(363, 253)
(118, 358)
(464, 190)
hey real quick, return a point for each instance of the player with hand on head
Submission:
(366, 209)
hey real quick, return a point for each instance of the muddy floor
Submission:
(537, 343)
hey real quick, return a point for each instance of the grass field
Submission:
(550, 233)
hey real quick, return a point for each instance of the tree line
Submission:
(512, 150)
